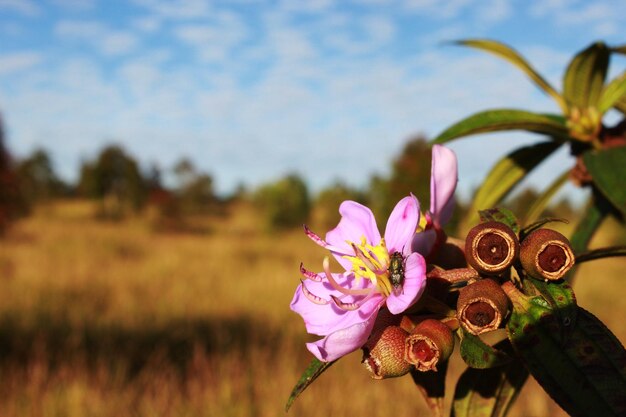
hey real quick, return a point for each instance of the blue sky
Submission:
(251, 90)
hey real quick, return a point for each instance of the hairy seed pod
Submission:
(431, 342)
(482, 306)
(546, 254)
(383, 354)
(491, 247)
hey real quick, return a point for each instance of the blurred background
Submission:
(157, 160)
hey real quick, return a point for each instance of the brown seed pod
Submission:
(546, 254)
(491, 248)
(430, 343)
(383, 354)
(482, 306)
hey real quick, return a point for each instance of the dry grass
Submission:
(112, 319)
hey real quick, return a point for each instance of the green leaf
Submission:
(592, 255)
(584, 77)
(597, 209)
(542, 201)
(586, 376)
(608, 169)
(562, 300)
(315, 369)
(432, 385)
(502, 215)
(477, 354)
(505, 175)
(506, 119)
(503, 51)
(612, 93)
(489, 392)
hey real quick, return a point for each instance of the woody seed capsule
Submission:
(431, 342)
(546, 254)
(482, 306)
(383, 354)
(491, 247)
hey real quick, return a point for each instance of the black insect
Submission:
(396, 270)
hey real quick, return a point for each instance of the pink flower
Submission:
(342, 307)
(443, 179)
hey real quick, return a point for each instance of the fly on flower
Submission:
(377, 271)
(396, 271)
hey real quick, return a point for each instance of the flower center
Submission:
(372, 263)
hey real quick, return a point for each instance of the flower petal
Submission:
(413, 287)
(323, 319)
(443, 179)
(356, 221)
(344, 341)
(423, 242)
(402, 223)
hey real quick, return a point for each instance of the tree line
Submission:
(120, 187)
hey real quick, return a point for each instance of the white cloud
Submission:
(25, 7)
(19, 61)
(362, 35)
(310, 6)
(178, 9)
(542, 8)
(589, 13)
(12, 29)
(118, 43)
(494, 11)
(108, 41)
(147, 24)
(438, 9)
(214, 39)
(76, 5)
(599, 18)
(79, 29)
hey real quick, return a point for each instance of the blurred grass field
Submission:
(113, 319)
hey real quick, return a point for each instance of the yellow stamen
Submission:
(372, 263)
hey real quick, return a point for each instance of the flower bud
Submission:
(383, 354)
(546, 254)
(482, 306)
(431, 342)
(491, 247)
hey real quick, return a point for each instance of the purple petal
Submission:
(443, 181)
(423, 242)
(324, 319)
(413, 287)
(344, 341)
(356, 221)
(402, 223)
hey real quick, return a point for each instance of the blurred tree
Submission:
(115, 179)
(154, 177)
(194, 189)
(284, 203)
(326, 208)
(410, 173)
(12, 202)
(378, 196)
(38, 181)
